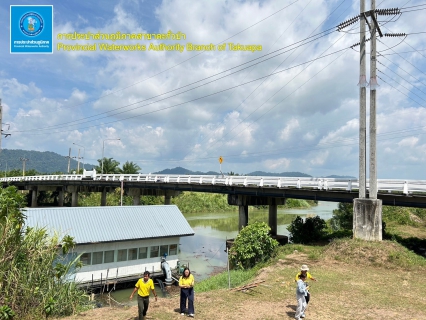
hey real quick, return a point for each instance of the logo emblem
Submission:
(31, 24)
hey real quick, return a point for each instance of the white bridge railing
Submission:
(399, 186)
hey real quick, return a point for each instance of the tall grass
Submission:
(220, 281)
(189, 202)
(34, 276)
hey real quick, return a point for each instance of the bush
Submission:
(399, 215)
(306, 232)
(252, 245)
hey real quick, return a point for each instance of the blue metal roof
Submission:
(106, 224)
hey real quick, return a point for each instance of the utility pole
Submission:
(24, 160)
(373, 86)
(367, 218)
(78, 162)
(69, 160)
(362, 105)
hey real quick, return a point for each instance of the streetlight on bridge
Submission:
(103, 148)
(78, 157)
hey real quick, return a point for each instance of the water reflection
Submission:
(229, 222)
(205, 250)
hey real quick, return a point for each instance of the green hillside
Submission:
(42, 162)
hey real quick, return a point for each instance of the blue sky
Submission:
(304, 118)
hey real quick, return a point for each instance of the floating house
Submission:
(116, 244)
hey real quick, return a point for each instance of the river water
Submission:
(205, 251)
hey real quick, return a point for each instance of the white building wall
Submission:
(123, 268)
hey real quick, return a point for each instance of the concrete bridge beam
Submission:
(367, 221)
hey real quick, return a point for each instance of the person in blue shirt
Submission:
(301, 292)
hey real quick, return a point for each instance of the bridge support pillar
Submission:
(243, 216)
(34, 194)
(272, 221)
(61, 198)
(74, 195)
(136, 195)
(103, 197)
(168, 194)
(367, 221)
(74, 198)
(243, 201)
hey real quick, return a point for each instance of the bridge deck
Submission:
(398, 192)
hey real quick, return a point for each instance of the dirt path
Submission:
(343, 291)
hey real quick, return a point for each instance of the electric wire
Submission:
(403, 77)
(400, 91)
(288, 150)
(403, 57)
(419, 5)
(418, 80)
(194, 56)
(196, 99)
(247, 127)
(409, 90)
(391, 54)
(242, 120)
(131, 104)
(245, 99)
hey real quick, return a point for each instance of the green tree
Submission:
(130, 168)
(252, 245)
(308, 231)
(110, 166)
(342, 217)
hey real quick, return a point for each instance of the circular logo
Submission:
(31, 24)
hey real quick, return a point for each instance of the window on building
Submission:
(133, 254)
(122, 255)
(97, 257)
(154, 252)
(86, 258)
(143, 253)
(109, 256)
(164, 250)
(173, 249)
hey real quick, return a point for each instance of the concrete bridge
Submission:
(242, 191)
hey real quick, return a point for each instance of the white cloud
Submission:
(304, 119)
(277, 165)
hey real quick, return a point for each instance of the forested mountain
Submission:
(180, 170)
(282, 174)
(51, 162)
(42, 162)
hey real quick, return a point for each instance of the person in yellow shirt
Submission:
(142, 287)
(304, 270)
(186, 284)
